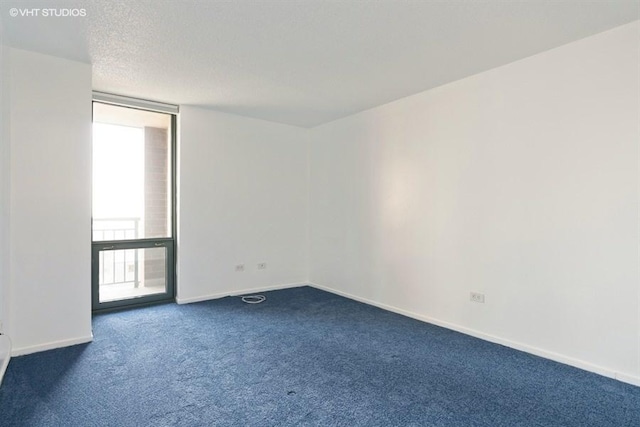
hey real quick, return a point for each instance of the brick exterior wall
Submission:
(156, 202)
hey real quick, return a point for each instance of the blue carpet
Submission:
(302, 358)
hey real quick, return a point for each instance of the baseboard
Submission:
(21, 351)
(238, 292)
(626, 378)
(5, 355)
(629, 379)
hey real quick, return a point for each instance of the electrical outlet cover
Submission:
(477, 297)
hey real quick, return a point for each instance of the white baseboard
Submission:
(626, 378)
(5, 355)
(21, 351)
(238, 292)
(629, 379)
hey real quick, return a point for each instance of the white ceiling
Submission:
(302, 62)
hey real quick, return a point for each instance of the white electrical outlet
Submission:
(477, 297)
(262, 266)
(239, 268)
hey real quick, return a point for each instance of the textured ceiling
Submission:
(300, 62)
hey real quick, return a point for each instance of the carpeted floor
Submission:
(302, 358)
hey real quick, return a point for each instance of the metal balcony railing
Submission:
(117, 266)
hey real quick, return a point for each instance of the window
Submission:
(133, 224)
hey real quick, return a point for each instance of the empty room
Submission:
(320, 213)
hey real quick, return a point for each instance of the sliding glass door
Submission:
(133, 224)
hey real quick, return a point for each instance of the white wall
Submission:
(520, 183)
(242, 200)
(50, 201)
(4, 186)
